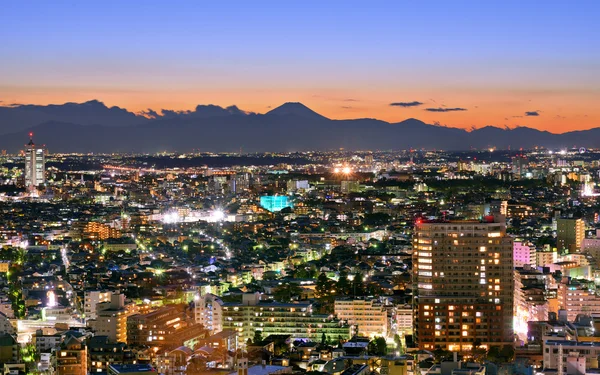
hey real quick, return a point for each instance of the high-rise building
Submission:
(208, 312)
(111, 318)
(463, 275)
(34, 165)
(570, 234)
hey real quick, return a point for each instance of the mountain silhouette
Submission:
(296, 109)
(94, 127)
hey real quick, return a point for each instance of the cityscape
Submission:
(378, 189)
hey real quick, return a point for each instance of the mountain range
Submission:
(94, 127)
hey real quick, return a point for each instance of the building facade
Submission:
(463, 275)
(368, 317)
(35, 165)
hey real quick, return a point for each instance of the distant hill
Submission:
(94, 127)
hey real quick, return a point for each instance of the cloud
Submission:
(532, 113)
(406, 104)
(445, 109)
(350, 100)
(149, 113)
(347, 107)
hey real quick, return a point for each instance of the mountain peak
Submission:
(295, 109)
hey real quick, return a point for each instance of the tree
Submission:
(257, 336)
(287, 292)
(477, 352)
(323, 287)
(507, 353)
(358, 285)
(398, 342)
(323, 339)
(441, 355)
(378, 346)
(343, 285)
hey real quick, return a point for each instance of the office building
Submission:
(34, 165)
(463, 275)
(569, 234)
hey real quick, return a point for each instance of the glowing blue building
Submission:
(275, 203)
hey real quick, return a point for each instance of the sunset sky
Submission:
(468, 63)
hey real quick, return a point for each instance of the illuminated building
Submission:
(166, 327)
(34, 165)
(71, 358)
(275, 203)
(463, 275)
(368, 316)
(349, 187)
(533, 290)
(208, 312)
(570, 234)
(523, 254)
(99, 231)
(273, 318)
(91, 299)
(111, 318)
(546, 257)
(577, 299)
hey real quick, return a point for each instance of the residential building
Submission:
(464, 284)
(524, 254)
(111, 318)
(570, 234)
(273, 318)
(71, 357)
(91, 299)
(368, 317)
(208, 312)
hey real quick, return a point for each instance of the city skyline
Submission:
(462, 65)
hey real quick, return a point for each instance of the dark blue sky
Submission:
(507, 57)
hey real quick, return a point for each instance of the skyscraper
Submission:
(34, 165)
(463, 274)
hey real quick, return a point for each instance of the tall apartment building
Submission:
(71, 358)
(570, 234)
(34, 165)
(91, 298)
(463, 275)
(208, 312)
(368, 317)
(111, 318)
(577, 299)
(272, 318)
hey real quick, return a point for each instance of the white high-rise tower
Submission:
(34, 165)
